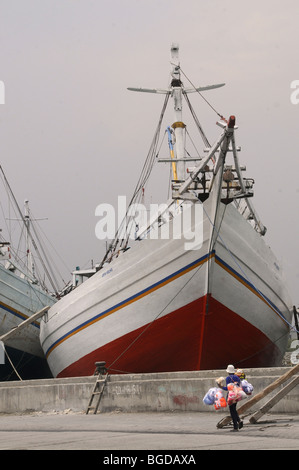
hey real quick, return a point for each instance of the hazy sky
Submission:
(72, 136)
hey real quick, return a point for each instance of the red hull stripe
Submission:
(187, 339)
(160, 284)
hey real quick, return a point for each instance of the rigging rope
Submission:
(48, 269)
(204, 137)
(209, 104)
(50, 260)
(124, 227)
(11, 363)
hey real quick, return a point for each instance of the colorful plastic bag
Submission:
(235, 394)
(220, 401)
(209, 398)
(247, 387)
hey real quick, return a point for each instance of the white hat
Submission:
(230, 369)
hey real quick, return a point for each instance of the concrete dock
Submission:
(176, 431)
(159, 392)
(161, 411)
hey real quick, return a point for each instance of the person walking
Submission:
(234, 379)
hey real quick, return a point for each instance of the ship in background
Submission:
(183, 295)
(24, 288)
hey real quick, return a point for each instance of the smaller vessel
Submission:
(23, 288)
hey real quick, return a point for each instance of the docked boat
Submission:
(22, 292)
(196, 286)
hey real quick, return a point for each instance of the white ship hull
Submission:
(159, 307)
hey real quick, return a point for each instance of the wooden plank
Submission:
(270, 403)
(22, 325)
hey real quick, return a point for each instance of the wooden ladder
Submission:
(98, 389)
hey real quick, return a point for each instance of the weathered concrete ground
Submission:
(191, 431)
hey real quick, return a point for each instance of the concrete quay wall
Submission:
(174, 391)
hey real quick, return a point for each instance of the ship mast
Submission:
(188, 184)
(30, 262)
(178, 126)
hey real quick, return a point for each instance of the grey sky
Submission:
(72, 136)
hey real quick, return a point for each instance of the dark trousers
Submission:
(234, 415)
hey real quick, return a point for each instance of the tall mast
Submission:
(30, 262)
(175, 89)
(178, 125)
